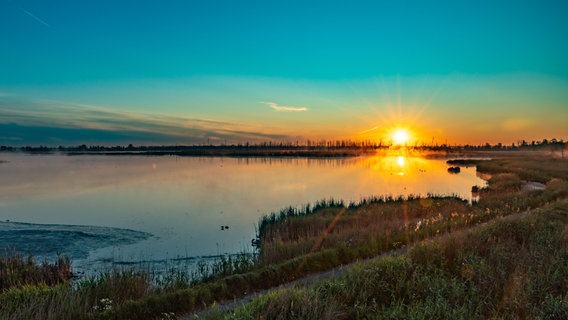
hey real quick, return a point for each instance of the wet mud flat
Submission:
(47, 241)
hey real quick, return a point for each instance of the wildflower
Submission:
(105, 304)
(167, 316)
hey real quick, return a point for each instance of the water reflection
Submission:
(184, 202)
(400, 162)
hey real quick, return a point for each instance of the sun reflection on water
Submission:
(400, 160)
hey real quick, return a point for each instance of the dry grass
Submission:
(382, 225)
(16, 270)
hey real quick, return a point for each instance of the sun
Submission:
(400, 136)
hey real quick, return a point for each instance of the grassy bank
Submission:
(470, 260)
(512, 268)
(48, 291)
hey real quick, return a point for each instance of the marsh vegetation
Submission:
(504, 256)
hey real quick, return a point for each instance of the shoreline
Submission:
(291, 151)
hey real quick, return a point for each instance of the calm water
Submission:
(175, 206)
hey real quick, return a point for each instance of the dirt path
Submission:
(333, 273)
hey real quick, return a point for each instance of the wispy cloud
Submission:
(70, 123)
(277, 107)
(35, 17)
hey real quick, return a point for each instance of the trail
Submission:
(311, 278)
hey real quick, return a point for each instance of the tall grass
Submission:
(17, 270)
(379, 225)
(510, 268)
(109, 295)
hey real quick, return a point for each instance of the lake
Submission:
(118, 210)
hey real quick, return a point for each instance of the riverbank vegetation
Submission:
(503, 256)
(17, 270)
(512, 268)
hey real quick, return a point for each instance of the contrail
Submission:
(36, 18)
(369, 130)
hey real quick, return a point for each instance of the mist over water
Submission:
(109, 210)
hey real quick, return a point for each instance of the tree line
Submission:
(296, 145)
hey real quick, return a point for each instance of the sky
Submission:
(192, 72)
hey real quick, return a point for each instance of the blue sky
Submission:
(191, 71)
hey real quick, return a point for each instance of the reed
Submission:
(17, 270)
(383, 224)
